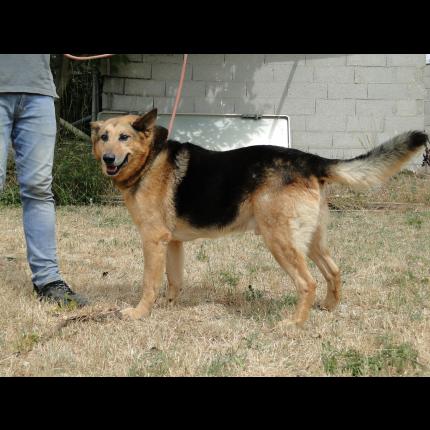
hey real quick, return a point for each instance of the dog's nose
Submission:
(109, 158)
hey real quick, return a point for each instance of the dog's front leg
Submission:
(154, 253)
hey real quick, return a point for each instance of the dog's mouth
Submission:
(113, 170)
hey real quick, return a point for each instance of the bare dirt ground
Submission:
(235, 293)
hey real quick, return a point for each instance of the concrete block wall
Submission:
(427, 99)
(339, 104)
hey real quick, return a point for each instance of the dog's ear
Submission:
(146, 121)
(95, 127)
(161, 134)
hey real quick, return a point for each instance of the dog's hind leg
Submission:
(293, 261)
(287, 219)
(175, 270)
(279, 239)
(319, 254)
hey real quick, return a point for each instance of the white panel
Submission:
(224, 132)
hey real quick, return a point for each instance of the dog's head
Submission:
(123, 144)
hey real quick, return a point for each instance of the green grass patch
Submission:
(202, 255)
(77, 177)
(229, 278)
(390, 359)
(155, 363)
(252, 294)
(223, 364)
(414, 220)
(26, 342)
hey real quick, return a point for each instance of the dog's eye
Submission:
(123, 137)
(104, 137)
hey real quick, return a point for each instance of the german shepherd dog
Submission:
(177, 192)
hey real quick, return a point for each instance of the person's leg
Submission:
(7, 102)
(33, 138)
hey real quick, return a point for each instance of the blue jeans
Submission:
(28, 121)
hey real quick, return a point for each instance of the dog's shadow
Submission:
(248, 303)
(262, 305)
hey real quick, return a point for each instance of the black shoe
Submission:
(60, 292)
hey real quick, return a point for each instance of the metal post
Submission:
(95, 93)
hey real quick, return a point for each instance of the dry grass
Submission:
(235, 293)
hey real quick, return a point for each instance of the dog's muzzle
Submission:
(113, 168)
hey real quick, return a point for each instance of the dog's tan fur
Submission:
(291, 219)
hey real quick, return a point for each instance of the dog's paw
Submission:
(328, 305)
(133, 314)
(288, 324)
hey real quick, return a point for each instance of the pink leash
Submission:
(93, 57)
(178, 95)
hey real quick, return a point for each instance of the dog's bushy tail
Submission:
(380, 163)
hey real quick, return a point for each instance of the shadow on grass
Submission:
(250, 303)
